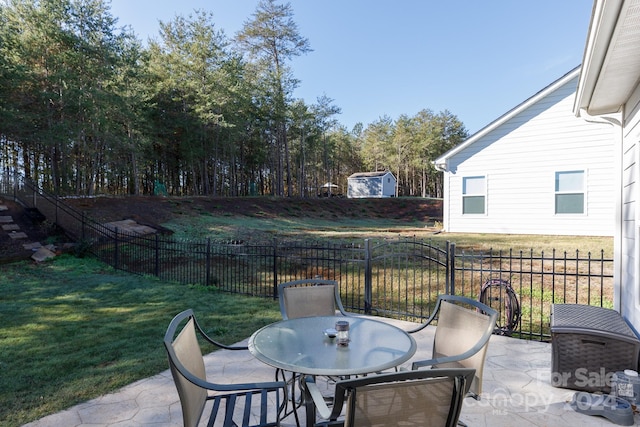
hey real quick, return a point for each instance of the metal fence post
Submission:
(451, 268)
(275, 268)
(82, 227)
(368, 285)
(207, 281)
(116, 249)
(157, 256)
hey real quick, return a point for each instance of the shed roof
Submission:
(369, 174)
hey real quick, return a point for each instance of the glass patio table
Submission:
(301, 346)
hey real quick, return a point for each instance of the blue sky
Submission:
(477, 59)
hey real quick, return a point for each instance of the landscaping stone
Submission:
(18, 235)
(131, 227)
(43, 254)
(32, 246)
(14, 246)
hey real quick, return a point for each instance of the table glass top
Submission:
(300, 345)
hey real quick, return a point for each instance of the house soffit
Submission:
(620, 69)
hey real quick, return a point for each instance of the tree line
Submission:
(87, 108)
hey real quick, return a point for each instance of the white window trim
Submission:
(585, 185)
(462, 195)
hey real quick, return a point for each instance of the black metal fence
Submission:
(538, 280)
(394, 278)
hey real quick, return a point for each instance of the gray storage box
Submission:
(588, 345)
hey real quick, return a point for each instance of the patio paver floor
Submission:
(516, 392)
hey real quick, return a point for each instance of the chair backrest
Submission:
(309, 297)
(464, 324)
(416, 398)
(185, 357)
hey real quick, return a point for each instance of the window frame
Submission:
(570, 192)
(466, 196)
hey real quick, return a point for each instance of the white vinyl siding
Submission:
(569, 192)
(628, 249)
(474, 195)
(523, 153)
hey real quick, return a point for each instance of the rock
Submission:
(32, 246)
(43, 254)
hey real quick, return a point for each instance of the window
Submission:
(473, 195)
(569, 192)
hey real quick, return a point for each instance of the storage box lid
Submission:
(588, 318)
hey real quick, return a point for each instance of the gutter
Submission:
(441, 167)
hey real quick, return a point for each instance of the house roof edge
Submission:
(441, 162)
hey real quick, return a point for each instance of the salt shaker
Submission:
(342, 326)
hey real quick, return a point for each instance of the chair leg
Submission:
(290, 394)
(473, 396)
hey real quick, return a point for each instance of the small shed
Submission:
(371, 184)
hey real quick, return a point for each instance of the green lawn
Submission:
(73, 329)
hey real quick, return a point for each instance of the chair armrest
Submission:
(250, 386)
(427, 322)
(273, 385)
(217, 343)
(314, 392)
(447, 359)
(422, 325)
(185, 373)
(430, 362)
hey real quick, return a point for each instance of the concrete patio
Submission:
(516, 391)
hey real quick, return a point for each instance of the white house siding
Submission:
(630, 226)
(519, 159)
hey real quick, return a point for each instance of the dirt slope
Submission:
(154, 211)
(157, 210)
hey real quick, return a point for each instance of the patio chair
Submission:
(188, 370)
(464, 327)
(310, 297)
(416, 398)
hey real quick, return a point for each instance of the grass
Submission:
(221, 227)
(537, 243)
(74, 329)
(356, 229)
